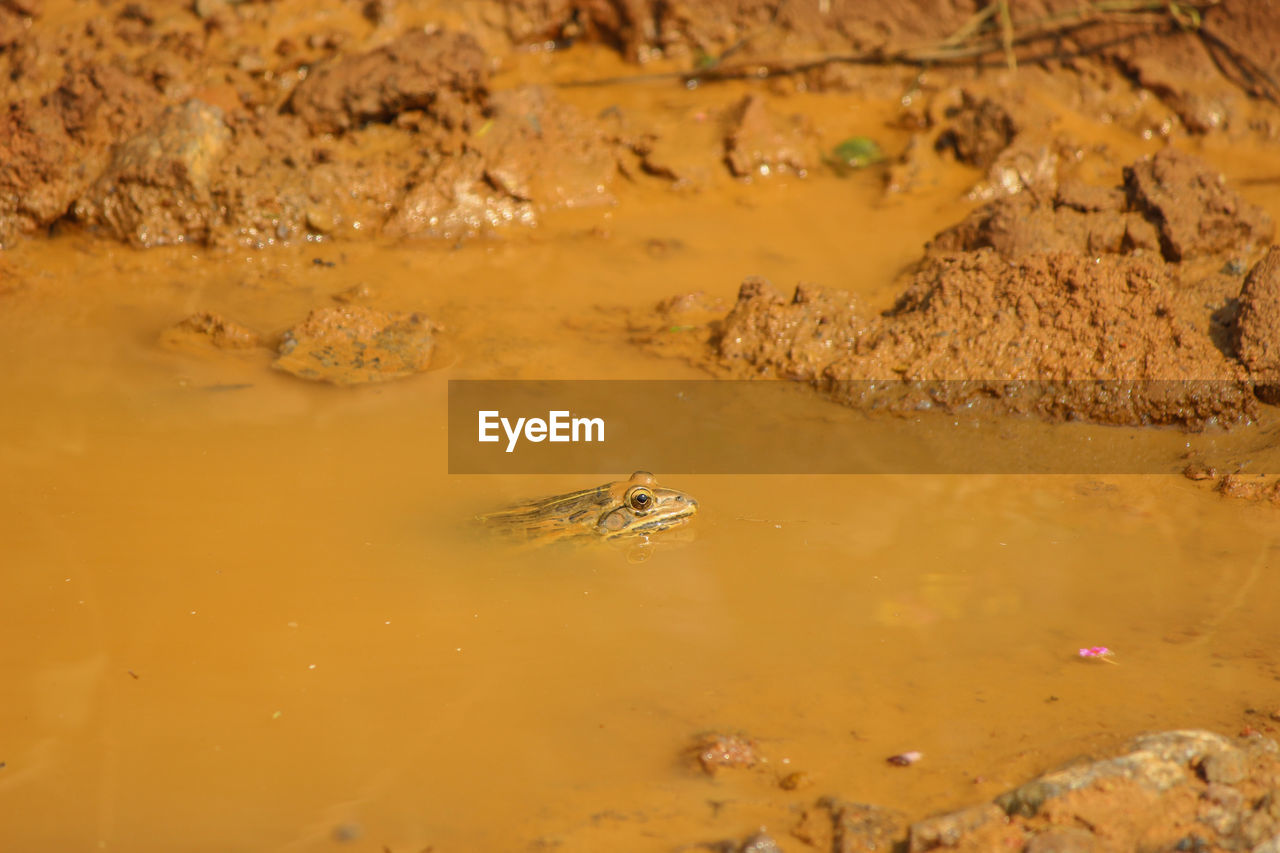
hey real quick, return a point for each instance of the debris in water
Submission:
(716, 751)
(904, 759)
(1101, 653)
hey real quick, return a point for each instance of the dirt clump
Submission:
(353, 345)
(1250, 488)
(978, 130)
(1193, 211)
(52, 147)
(1051, 334)
(441, 74)
(536, 153)
(759, 142)
(1171, 202)
(206, 329)
(794, 338)
(1201, 106)
(156, 189)
(1257, 329)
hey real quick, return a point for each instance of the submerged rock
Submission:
(716, 751)
(53, 147)
(206, 329)
(354, 345)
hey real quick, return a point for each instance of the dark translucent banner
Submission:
(784, 427)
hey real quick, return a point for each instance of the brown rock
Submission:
(1258, 326)
(1199, 471)
(948, 830)
(1227, 767)
(353, 345)
(1024, 166)
(53, 147)
(1170, 202)
(156, 191)
(1200, 107)
(1248, 488)
(1020, 225)
(536, 153)
(1088, 198)
(1154, 763)
(846, 827)
(759, 142)
(442, 74)
(977, 131)
(1192, 209)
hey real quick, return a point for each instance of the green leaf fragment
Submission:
(857, 152)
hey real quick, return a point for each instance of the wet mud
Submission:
(246, 245)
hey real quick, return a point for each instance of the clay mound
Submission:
(1258, 327)
(767, 335)
(1107, 340)
(1052, 334)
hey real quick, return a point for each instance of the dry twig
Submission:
(992, 30)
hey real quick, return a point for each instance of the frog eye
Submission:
(640, 498)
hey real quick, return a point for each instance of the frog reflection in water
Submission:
(627, 510)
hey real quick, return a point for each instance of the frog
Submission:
(632, 509)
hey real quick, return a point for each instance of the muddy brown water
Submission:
(246, 612)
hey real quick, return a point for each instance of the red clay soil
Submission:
(1075, 304)
(253, 123)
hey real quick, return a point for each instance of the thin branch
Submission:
(991, 30)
